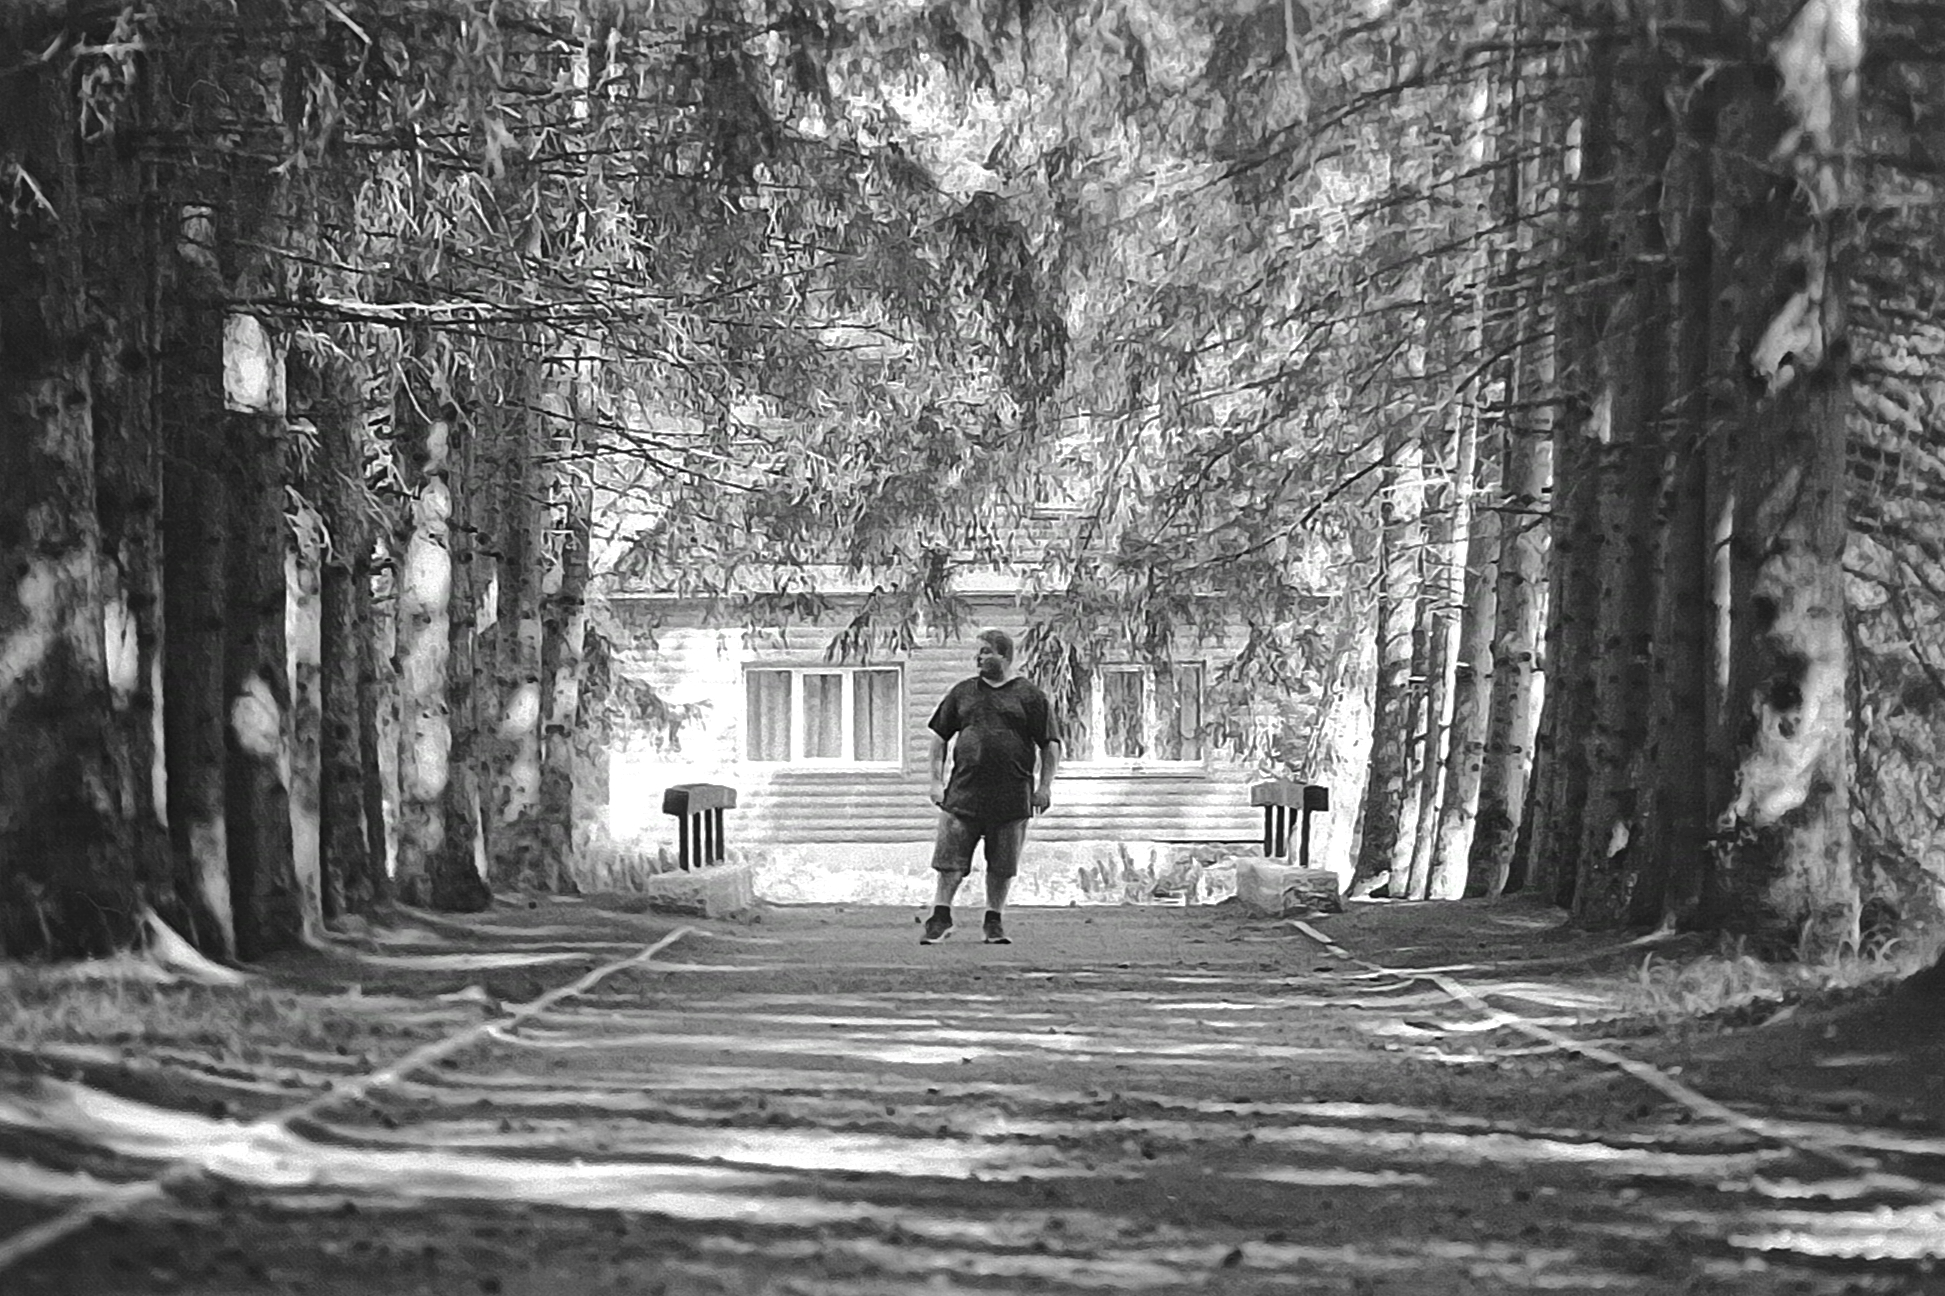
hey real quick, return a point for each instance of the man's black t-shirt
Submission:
(1000, 728)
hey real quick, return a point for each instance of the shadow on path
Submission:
(1125, 1100)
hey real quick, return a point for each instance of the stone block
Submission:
(718, 891)
(1270, 887)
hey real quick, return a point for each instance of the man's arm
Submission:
(938, 771)
(1043, 792)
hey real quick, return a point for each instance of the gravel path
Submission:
(1125, 1100)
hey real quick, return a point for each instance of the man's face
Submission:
(991, 665)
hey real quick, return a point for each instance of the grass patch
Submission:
(1734, 987)
(126, 1006)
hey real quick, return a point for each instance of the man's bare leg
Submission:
(996, 889)
(951, 860)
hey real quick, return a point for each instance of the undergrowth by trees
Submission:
(1434, 351)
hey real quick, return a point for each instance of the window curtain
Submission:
(768, 738)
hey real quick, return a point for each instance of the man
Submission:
(997, 724)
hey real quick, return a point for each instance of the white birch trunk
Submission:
(425, 736)
(304, 650)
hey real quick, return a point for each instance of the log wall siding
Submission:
(703, 668)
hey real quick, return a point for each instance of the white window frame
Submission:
(1096, 718)
(848, 717)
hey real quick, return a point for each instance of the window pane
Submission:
(767, 731)
(1121, 727)
(874, 719)
(1180, 714)
(823, 716)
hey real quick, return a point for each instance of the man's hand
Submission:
(938, 793)
(1042, 798)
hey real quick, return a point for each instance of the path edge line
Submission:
(123, 1198)
(1652, 1076)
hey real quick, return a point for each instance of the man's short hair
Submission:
(999, 641)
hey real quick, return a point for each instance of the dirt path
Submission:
(1127, 1100)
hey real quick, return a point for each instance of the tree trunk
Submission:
(519, 851)
(1679, 720)
(564, 605)
(424, 592)
(1559, 799)
(1334, 751)
(1527, 484)
(1896, 515)
(378, 709)
(196, 505)
(1379, 860)
(67, 882)
(269, 903)
(592, 740)
(1446, 532)
(350, 846)
(562, 649)
(1607, 889)
(459, 875)
(564, 635)
(1464, 671)
(1783, 871)
(1620, 880)
(125, 260)
(1419, 736)
(1471, 687)
(1519, 623)
(487, 569)
(379, 688)
(304, 666)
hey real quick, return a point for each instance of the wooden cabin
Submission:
(830, 759)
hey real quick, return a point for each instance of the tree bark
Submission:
(1679, 719)
(67, 882)
(1608, 890)
(1527, 484)
(563, 638)
(124, 260)
(1559, 795)
(459, 875)
(1620, 879)
(269, 902)
(564, 610)
(350, 846)
(1783, 871)
(1519, 623)
(196, 504)
(1446, 530)
(379, 687)
(1471, 688)
(1464, 668)
(304, 665)
(519, 852)
(424, 592)
(1383, 857)
(378, 710)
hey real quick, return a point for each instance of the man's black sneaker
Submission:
(995, 931)
(936, 930)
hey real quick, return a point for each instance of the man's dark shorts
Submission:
(953, 851)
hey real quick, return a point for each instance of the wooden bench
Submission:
(699, 807)
(1283, 801)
